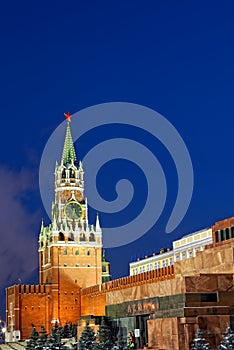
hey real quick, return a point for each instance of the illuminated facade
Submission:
(186, 247)
(70, 256)
(167, 305)
(166, 298)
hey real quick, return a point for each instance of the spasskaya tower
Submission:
(70, 250)
(70, 255)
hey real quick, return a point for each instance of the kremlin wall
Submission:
(171, 303)
(166, 298)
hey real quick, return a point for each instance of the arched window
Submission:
(91, 237)
(72, 173)
(88, 252)
(61, 237)
(71, 237)
(64, 174)
(77, 252)
(82, 237)
(65, 252)
(232, 232)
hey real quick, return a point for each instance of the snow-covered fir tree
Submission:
(87, 339)
(104, 337)
(54, 340)
(199, 342)
(228, 340)
(41, 339)
(31, 344)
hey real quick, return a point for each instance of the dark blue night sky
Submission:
(175, 57)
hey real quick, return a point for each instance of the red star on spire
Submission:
(68, 116)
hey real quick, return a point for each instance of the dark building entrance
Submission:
(141, 324)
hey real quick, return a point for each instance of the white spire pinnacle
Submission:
(42, 225)
(54, 226)
(97, 225)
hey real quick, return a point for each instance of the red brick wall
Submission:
(38, 305)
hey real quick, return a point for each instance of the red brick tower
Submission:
(70, 256)
(70, 250)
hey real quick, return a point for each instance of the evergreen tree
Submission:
(73, 330)
(199, 342)
(87, 339)
(228, 340)
(60, 331)
(104, 337)
(31, 344)
(41, 339)
(54, 341)
(67, 331)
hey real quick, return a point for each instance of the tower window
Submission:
(64, 174)
(232, 232)
(61, 236)
(82, 237)
(88, 252)
(77, 252)
(227, 233)
(65, 252)
(91, 237)
(71, 237)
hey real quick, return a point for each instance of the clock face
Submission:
(73, 210)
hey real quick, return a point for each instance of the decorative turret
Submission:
(106, 276)
(97, 225)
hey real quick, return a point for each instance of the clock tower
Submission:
(70, 249)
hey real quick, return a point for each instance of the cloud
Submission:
(19, 226)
